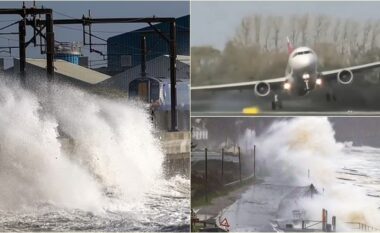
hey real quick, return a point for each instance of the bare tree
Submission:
(303, 26)
(336, 33)
(267, 32)
(366, 31)
(257, 22)
(243, 36)
(293, 28)
(375, 33)
(320, 27)
(277, 23)
(344, 38)
(353, 35)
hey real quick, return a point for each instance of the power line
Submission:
(9, 25)
(66, 27)
(6, 38)
(77, 29)
(63, 14)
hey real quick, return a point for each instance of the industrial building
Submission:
(124, 62)
(155, 87)
(70, 66)
(64, 71)
(124, 50)
(157, 67)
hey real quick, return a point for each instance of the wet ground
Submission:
(355, 99)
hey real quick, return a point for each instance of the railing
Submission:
(314, 223)
(362, 226)
(238, 181)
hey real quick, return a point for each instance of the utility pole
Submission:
(22, 47)
(23, 12)
(49, 46)
(173, 89)
(143, 56)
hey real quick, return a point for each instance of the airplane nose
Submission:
(303, 62)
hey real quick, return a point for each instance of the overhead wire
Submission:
(9, 25)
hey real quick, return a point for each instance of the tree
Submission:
(257, 20)
(277, 23)
(375, 33)
(366, 31)
(320, 28)
(243, 36)
(267, 32)
(293, 29)
(344, 38)
(303, 25)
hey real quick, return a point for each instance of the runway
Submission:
(355, 100)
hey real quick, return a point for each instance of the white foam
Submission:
(302, 151)
(112, 148)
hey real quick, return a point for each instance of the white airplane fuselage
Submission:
(301, 71)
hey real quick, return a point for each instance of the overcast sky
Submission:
(62, 10)
(213, 23)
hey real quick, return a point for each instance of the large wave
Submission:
(303, 151)
(62, 146)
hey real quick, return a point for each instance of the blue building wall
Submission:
(73, 58)
(130, 44)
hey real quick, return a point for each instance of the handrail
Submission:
(238, 181)
(314, 223)
(363, 226)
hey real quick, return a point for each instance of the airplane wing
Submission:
(274, 83)
(352, 69)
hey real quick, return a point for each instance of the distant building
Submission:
(158, 67)
(124, 51)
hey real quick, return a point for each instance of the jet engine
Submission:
(262, 89)
(345, 77)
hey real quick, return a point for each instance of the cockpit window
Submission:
(302, 52)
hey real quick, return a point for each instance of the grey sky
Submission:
(213, 23)
(98, 9)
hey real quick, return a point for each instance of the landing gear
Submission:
(276, 103)
(330, 97)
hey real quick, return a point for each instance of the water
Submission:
(306, 152)
(70, 160)
(166, 209)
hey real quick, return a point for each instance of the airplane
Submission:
(301, 77)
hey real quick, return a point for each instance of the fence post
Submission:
(239, 164)
(334, 223)
(222, 165)
(254, 161)
(324, 220)
(206, 178)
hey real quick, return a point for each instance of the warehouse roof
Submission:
(182, 58)
(72, 70)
